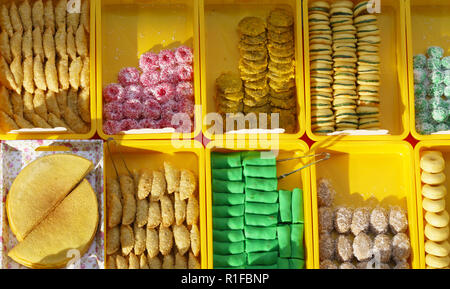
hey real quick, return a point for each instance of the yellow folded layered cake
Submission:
(71, 225)
(40, 187)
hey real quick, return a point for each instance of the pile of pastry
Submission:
(44, 65)
(152, 219)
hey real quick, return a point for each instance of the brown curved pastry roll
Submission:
(17, 72)
(22, 123)
(63, 72)
(38, 72)
(52, 104)
(49, 15)
(27, 44)
(49, 44)
(28, 107)
(60, 14)
(74, 72)
(81, 42)
(84, 104)
(71, 46)
(38, 48)
(6, 77)
(85, 73)
(84, 17)
(17, 104)
(54, 121)
(15, 18)
(40, 122)
(5, 103)
(37, 14)
(6, 122)
(51, 76)
(28, 75)
(5, 49)
(5, 21)
(25, 15)
(16, 45)
(60, 43)
(39, 104)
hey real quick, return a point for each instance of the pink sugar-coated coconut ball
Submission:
(182, 124)
(151, 109)
(127, 124)
(149, 123)
(186, 106)
(134, 91)
(167, 58)
(128, 76)
(183, 54)
(113, 111)
(111, 127)
(184, 90)
(164, 92)
(169, 74)
(113, 92)
(149, 61)
(150, 78)
(184, 72)
(132, 108)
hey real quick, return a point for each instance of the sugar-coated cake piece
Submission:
(113, 92)
(128, 76)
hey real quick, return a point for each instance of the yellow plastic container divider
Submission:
(219, 52)
(427, 25)
(128, 28)
(422, 146)
(287, 149)
(139, 154)
(394, 112)
(368, 174)
(93, 98)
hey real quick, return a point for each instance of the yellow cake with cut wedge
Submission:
(40, 187)
(72, 224)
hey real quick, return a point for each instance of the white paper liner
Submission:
(39, 130)
(442, 132)
(149, 131)
(360, 132)
(257, 131)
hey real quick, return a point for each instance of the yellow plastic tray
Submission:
(394, 112)
(287, 149)
(427, 25)
(140, 154)
(368, 174)
(444, 147)
(219, 53)
(128, 28)
(93, 100)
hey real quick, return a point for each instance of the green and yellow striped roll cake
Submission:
(348, 124)
(344, 103)
(364, 20)
(321, 78)
(319, 29)
(324, 130)
(366, 69)
(322, 113)
(368, 90)
(319, 7)
(369, 60)
(369, 30)
(344, 47)
(344, 64)
(321, 58)
(344, 29)
(320, 123)
(320, 104)
(321, 67)
(338, 21)
(360, 8)
(321, 95)
(346, 56)
(321, 86)
(345, 94)
(368, 100)
(344, 118)
(372, 40)
(368, 111)
(318, 49)
(346, 112)
(341, 12)
(344, 84)
(344, 76)
(372, 122)
(369, 79)
(342, 4)
(317, 18)
(344, 38)
(321, 39)
(368, 49)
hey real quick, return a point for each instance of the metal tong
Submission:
(325, 155)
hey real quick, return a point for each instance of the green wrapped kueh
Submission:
(266, 185)
(235, 223)
(297, 206)
(258, 158)
(260, 233)
(261, 208)
(296, 264)
(256, 196)
(221, 186)
(284, 240)
(227, 248)
(228, 211)
(285, 200)
(283, 263)
(262, 267)
(231, 174)
(229, 260)
(260, 245)
(228, 235)
(225, 160)
(266, 172)
(297, 241)
(435, 52)
(261, 220)
(262, 258)
(228, 199)
(229, 268)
